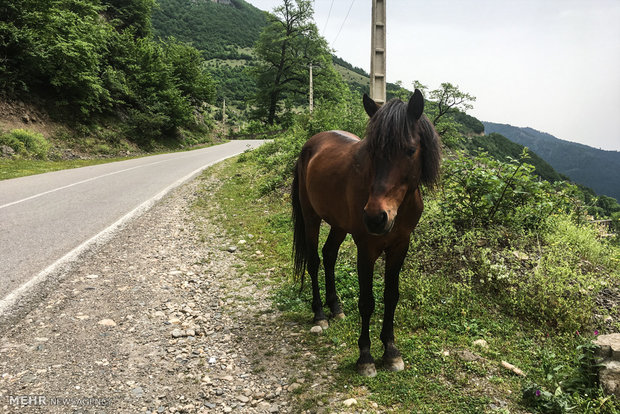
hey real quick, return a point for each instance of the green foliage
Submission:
(224, 34)
(234, 83)
(502, 149)
(467, 124)
(481, 191)
(345, 64)
(26, 144)
(449, 99)
(187, 72)
(131, 15)
(549, 277)
(444, 108)
(55, 49)
(93, 60)
(585, 165)
(615, 223)
(575, 387)
(279, 156)
(217, 30)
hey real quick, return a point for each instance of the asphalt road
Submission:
(48, 220)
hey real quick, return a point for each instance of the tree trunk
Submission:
(273, 103)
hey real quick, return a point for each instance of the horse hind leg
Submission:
(330, 254)
(313, 224)
(305, 243)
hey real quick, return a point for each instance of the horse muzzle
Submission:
(378, 224)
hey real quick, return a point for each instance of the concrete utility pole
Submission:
(377, 52)
(224, 112)
(311, 103)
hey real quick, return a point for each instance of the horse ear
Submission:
(370, 106)
(415, 107)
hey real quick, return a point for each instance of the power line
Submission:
(328, 14)
(343, 22)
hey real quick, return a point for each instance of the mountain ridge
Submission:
(596, 168)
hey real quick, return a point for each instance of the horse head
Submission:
(403, 149)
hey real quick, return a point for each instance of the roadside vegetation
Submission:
(101, 82)
(499, 255)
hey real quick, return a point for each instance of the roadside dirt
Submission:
(160, 320)
(16, 115)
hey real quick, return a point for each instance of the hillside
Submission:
(502, 148)
(218, 30)
(595, 168)
(225, 35)
(93, 74)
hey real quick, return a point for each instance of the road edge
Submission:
(16, 304)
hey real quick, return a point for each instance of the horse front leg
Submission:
(366, 305)
(394, 258)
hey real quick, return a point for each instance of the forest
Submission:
(93, 63)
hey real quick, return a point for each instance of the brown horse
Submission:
(369, 188)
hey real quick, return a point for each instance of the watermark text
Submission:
(48, 401)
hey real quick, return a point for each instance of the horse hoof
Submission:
(322, 323)
(339, 316)
(367, 370)
(394, 364)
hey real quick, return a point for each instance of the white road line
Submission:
(77, 183)
(102, 237)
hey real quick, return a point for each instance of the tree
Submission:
(446, 101)
(131, 14)
(286, 47)
(450, 99)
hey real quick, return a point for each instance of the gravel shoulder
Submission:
(161, 320)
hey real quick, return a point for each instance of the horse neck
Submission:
(362, 159)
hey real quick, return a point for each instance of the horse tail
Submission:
(300, 258)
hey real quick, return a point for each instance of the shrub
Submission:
(550, 277)
(480, 191)
(26, 143)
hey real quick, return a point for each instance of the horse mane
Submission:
(388, 133)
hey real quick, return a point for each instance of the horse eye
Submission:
(410, 151)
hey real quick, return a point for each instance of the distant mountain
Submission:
(594, 168)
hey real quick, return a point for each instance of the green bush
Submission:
(26, 143)
(480, 191)
(549, 277)
(567, 389)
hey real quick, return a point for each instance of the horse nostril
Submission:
(383, 217)
(376, 223)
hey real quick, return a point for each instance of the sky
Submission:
(552, 65)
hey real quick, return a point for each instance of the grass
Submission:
(444, 306)
(35, 154)
(24, 167)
